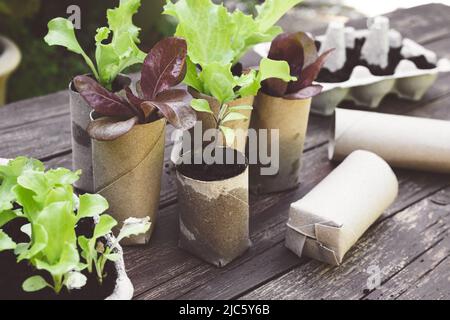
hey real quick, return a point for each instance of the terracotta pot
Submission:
(208, 121)
(290, 117)
(10, 57)
(127, 172)
(81, 142)
(214, 217)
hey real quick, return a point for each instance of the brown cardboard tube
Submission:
(127, 172)
(404, 142)
(214, 218)
(80, 113)
(330, 219)
(290, 117)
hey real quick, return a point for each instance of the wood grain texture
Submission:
(410, 242)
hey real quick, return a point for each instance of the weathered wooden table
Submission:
(409, 245)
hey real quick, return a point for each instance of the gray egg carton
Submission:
(363, 88)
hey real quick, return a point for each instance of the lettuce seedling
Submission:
(300, 51)
(47, 201)
(112, 57)
(163, 68)
(96, 253)
(217, 39)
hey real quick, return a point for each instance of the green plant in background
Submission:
(47, 201)
(113, 57)
(217, 39)
(22, 9)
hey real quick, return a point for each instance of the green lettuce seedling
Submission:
(217, 39)
(47, 201)
(94, 250)
(112, 57)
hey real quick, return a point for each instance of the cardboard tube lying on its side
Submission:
(404, 142)
(330, 219)
(127, 172)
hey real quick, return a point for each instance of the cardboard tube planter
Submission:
(9, 60)
(127, 172)
(404, 142)
(214, 217)
(290, 117)
(80, 117)
(330, 219)
(239, 126)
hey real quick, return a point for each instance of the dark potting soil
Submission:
(217, 171)
(422, 63)
(13, 274)
(352, 60)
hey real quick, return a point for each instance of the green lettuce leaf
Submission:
(61, 32)
(217, 39)
(122, 52)
(113, 57)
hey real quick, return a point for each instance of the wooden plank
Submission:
(390, 246)
(427, 277)
(27, 111)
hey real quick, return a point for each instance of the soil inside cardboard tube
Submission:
(13, 274)
(217, 171)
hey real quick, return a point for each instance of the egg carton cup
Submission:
(367, 90)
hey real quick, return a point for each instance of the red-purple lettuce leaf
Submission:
(110, 128)
(309, 74)
(164, 67)
(101, 100)
(175, 106)
(300, 52)
(305, 93)
(136, 102)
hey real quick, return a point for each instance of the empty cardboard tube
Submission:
(331, 218)
(127, 172)
(290, 117)
(404, 142)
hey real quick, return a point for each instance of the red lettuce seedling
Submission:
(300, 52)
(163, 68)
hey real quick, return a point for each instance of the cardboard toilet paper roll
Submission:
(127, 172)
(329, 220)
(404, 142)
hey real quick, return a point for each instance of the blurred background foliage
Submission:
(47, 69)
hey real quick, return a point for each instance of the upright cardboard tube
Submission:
(404, 142)
(290, 117)
(80, 113)
(214, 218)
(330, 219)
(127, 172)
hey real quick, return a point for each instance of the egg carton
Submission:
(364, 88)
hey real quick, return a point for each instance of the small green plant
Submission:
(217, 39)
(47, 201)
(112, 57)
